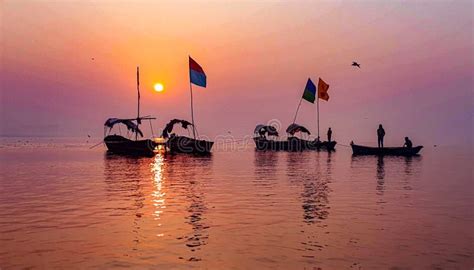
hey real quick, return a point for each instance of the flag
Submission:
(323, 90)
(196, 73)
(309, 93)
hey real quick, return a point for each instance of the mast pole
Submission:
(138, 109)
(192, 110)
(297, 109)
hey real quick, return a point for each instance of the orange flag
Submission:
(323, 90)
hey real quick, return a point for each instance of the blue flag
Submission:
(196, 73)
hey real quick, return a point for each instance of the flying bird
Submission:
(355, 64)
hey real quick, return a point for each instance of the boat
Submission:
(183, 144)
(293, 143)
(297, 144)
(262, 143)
(119, 144)
(385, 151)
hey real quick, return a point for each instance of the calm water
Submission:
(63, 205)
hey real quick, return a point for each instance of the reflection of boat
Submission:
(389, 151)
(293, 143)
(183, 144)
(121, 145)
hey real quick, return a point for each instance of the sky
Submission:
(67, 66)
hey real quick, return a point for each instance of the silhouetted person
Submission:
(408, 143)
(329, 134)
(380, 135)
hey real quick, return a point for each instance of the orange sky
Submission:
(416, 76)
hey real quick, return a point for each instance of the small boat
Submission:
(385, 151)
(119, 144)
(183, 144)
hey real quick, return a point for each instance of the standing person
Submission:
(380, 135)
(329, 134)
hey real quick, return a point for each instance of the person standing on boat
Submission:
(380, 135)
(329, 134)
(408, 143)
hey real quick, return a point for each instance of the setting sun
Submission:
(159, 87)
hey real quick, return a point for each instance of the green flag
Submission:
(309, 93)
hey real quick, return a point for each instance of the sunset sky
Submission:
(416, 57)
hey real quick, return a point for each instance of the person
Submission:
(329, 134)
(380, 135)
(408, 143)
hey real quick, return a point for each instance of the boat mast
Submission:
(138, 109)
(192, 110)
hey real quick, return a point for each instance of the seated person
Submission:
(408, 143)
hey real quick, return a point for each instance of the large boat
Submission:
(183, 144)
(293, 143)
(262, 143)
(385, 151)
(119, 144)
(301, 144)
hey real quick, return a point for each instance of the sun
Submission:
(159, 87)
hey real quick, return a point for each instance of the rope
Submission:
(96, 145)
(345, 145)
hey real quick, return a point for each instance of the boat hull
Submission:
(182, 144)
(292, 144)
(120, 145)
(385, 151)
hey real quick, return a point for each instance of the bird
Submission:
(92, 58)
(355, 64)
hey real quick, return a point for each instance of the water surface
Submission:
(64, 205)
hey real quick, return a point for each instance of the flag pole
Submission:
(192, 111)
(138, 109)
(297, 109)
(317, 106)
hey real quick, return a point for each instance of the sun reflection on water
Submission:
(158, 193)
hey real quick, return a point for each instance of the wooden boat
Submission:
(183, 144)
(262, 143)
(300, 144)
(119, 144)
(385, 151)
(294, 143)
